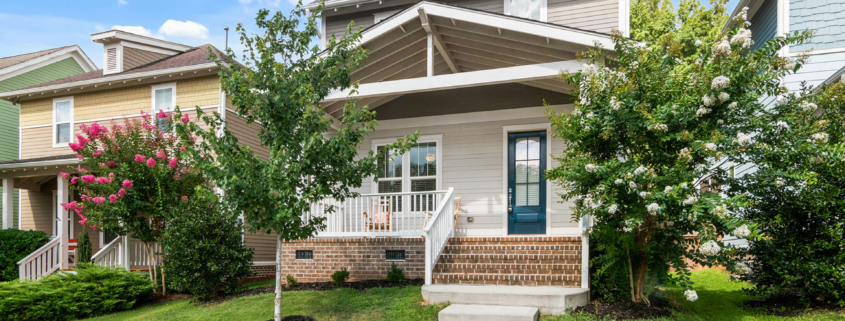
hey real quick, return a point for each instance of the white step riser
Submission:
(461, 312)
(550, 300)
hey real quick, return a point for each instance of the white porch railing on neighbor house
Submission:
(437, 233)
(42, 262)
(126, 249)
(371, 215)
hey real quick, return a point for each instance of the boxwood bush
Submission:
(91, 291)
(16, 245)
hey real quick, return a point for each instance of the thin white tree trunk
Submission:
(277, 312)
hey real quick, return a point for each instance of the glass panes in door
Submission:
(527, 166)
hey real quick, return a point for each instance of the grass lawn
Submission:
(719, 299)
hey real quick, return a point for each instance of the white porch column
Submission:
(125, 254)
(62, 195)
(430, 54)
(8, 202)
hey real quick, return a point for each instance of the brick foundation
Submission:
(264, 271)
(364, 258)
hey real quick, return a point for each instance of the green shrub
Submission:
(340, 277)
(203, 250)
(92, 291)
(16, 245)
(83, 247)
(292, 282)
(395, 274)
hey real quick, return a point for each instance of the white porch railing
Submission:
(389, 214)
(42, 262)
(114, 254)
(439, 229)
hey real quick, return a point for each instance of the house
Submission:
(826, 51)
(468, 208)
(26, 70)
(140, 74)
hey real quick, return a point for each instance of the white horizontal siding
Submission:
(600, 16)
(472, 163)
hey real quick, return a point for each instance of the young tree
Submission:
(280, 87)
(797, 203)
(657, 23)
(645, 127)
(137, 176)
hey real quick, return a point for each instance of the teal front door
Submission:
(526, 183)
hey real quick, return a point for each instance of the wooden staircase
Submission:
(517, 261)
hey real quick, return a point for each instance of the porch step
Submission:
(549, 300)
(507, 279)
(464, 312)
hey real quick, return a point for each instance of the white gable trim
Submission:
(72, 52)
(459, 80)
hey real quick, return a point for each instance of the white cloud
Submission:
(183, 29)
(244, 1)
(99, 28)
(138, 30)
(274, 3)
(122, 2)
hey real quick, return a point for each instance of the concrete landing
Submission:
(463, 312)
(549, 300)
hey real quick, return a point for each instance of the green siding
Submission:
(10, 115)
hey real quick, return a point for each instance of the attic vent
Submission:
(111, 59)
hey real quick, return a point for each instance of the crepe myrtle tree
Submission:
(279, 87)
(796, 196)
(644, 128)
(137, 174)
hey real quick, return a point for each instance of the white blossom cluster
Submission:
(742, 139)
(702, 111)
(686, 153)
(742, 268)
(710, 248)
(710, 147)
(690, 200)
(733, 105)
(723, 96)
(592, 168)
(722, 48)
(781, 125)
(782, 100)
(640, 170)
(789, 65)
(742, 231)
(708, 100)
(698, 43)
(615, 104)
(720, 82)
(742, 38)
(667, 190)
(652, 208)
(720, 211)
(692, 216)
(779, 182)
(645, 194)
(658, 127)
(612, 208)
(684, 185)
(691, 295)
(819, 138)
(619, 181)
(632, 185)
(808, 106)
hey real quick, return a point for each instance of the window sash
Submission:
(62, 121)
(407, 176)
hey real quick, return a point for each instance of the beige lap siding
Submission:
(36, 211)
(263, 244)
(364, 258)
(593, 15)
(247, 134)
(473, 162)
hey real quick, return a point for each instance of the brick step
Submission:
(576, 276)
(460, 242)
(509, 252)
(471, 260)
(522, 258)
(512, 280)
(543, 266)
(505, 271)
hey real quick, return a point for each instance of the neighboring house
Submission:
(140, 74)
(772, 18)
(468, 208)
(26, 70)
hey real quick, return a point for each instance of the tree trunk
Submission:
(277, 311)
(163, 285)
(641, 280)
(631, 275)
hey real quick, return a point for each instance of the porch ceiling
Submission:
(459, 46)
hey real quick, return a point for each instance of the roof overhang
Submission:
(116, 80)
(753, 6)
(118, 35)
(37, 167)
(71, 52)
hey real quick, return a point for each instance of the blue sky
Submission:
(32, 25)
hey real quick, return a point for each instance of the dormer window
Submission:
(529, 9)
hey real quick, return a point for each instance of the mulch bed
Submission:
(627, 310)
(324, 286)
(789, 305)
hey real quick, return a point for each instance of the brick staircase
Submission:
(527, 261)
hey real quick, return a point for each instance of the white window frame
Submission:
(171, 85)
(544, 9)
(406, 163)
(379, 16)
(55, 138)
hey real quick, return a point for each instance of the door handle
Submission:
(510, 200)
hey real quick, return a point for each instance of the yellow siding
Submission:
(36, 112)
(201, 91)
(36, 211)
(118, 102)
(247, 134)
(38, 142)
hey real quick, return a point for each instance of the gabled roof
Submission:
(194, 59)
(21, 63)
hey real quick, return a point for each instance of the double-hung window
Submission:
(164, 99)
(417, 170)
(530, 9)
(62, 121)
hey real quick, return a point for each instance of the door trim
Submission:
(517, 129)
